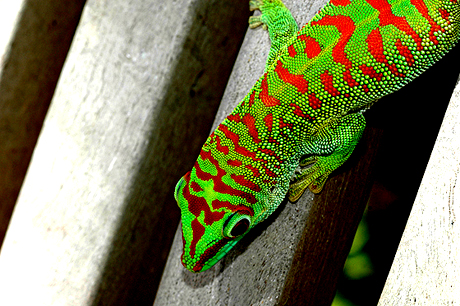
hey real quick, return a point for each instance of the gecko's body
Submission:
(306, 108)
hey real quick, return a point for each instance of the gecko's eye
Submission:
(240, 228)
(236, 225)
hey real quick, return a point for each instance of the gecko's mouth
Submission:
(213, 254)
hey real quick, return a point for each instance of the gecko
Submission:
(304, 116)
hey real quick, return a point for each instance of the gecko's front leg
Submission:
(275, 17)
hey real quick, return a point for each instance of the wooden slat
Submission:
(426, 268)
(330, 228)
(135, 101)
(35, 36)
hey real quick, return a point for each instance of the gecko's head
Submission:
(211, 224)
(218, 207)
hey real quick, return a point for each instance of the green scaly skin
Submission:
(306, 109)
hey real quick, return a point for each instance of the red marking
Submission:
(268, 120)
(219, 185)
(255, 171)
(404, 51)
(217, 204)
(220, 147)
(370, 71)
(268, 172)
(234, 163)
(243, 151)
(421, 7)
(273, 140)
(240, 179)
(235, 139)
(387, 17)
(198, 232)
(349, 79)
(270, 152)
(195, 187)
(183, 248)
(346, 27)
(292, 52)
(365, 88)
(251, 98)
(327, 79)
(312, 47)
(250, 123)
(286, 124)
(212, 138)
(295, 80)
(298, 111)
(234, 117)
(444, 14)
(198, 204)
(340, 2)
(313, 101)
(266, 99)
(375, 47)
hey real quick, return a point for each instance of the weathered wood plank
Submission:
(134, 103)
(35, 36)
(426, 268)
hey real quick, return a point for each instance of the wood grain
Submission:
(426, 269)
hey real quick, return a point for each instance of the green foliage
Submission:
(341, 301)
(358, 264)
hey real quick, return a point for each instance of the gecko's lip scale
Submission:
(208, 259)
(306, 109)
(210, 262)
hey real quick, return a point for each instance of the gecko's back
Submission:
(354, 52)
(307, 108)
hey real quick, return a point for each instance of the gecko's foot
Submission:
(308, 161)
(331, 145)
(313, 178)
(273, 14)
(255, 4)
(277, 19)
(256, 21)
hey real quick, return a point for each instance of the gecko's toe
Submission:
(255, 21)
(255, 5)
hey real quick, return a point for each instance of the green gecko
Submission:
(306, 109)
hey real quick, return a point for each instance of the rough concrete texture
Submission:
(254, 272)
(426, 269)
(135, 101)
(35, 36)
